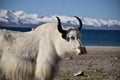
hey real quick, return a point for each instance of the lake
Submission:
(89, 37)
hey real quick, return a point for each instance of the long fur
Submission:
(32, 55)
(25, 56)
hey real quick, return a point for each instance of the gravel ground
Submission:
(100, 63)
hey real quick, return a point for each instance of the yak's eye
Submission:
(72, 38)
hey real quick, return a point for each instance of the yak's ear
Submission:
(64, 36)
(80, 22)
(61, 30)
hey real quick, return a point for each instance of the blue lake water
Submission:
(101, 37)
(90, 37)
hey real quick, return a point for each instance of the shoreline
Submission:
(103, 49)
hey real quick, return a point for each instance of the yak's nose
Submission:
(83, 50)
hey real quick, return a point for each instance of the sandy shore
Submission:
(103, 48)
(100, 63)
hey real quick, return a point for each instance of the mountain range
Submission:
(10, 18)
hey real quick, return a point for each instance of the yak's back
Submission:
(6, 36)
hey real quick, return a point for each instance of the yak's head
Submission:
(72, 38)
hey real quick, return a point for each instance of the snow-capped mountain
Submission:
(21, 19)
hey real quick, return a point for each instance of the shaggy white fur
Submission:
(35, 54)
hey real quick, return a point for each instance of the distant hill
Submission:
(9, 18)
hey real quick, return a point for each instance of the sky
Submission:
(99, 9)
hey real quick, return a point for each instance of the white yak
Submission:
(35, 55)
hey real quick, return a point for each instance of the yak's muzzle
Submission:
(83, 50)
